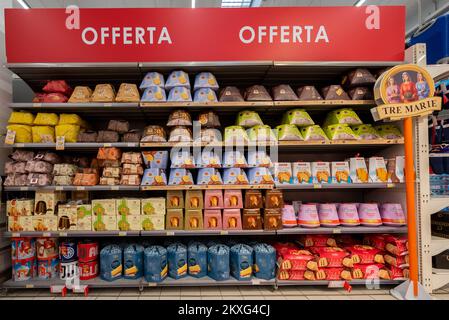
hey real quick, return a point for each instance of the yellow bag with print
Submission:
(69, 131)
(66, 118)
(46, 119)
(21, 117)
(23, 133)
(43, 134)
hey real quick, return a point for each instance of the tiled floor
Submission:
(218, 293)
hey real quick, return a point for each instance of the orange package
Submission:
(332, 257)
(109, 153)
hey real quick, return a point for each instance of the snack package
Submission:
(308, 93)
(260, 176)
(321, 172)
(328, 215)
(193, 219)
(106, 181)
(296, 259)
(334, 92)
(111, 172)
(253, 199)
(261, 133)
(348, 215)
(298, 117)
(180, 134)
(288, 132)
(54, 98)
(333, 274)
(339, 132)
(132, 168)
(398, 273)
(152, 79)
(43, 134)
(154, 134)
(182, 159)
(365, 132)
(120, 126)
(130, 180)
(302, 172)
(57, 86)
(180, 177)
(19, 207)
(205, 80)
(23, 133)
(234, 159)
(248, 118)
(154, 94)
(257, 93)
(64, 169)
(127, 92)
(313, 133)
(155, 159)
(235, 134)
(175, 199)
(46, 119)
(208, 159)
(133, 135)
(370, 271)
(131, 158)
(388, 131)
(209, 176)
(153, 206)
(259, 158)
(283, 173)
(283, 92)
(179, 94)
(340, 172)
(21, 117)
(361, 93)
(396, 245)
(178, 79)
(232, 219)
(87, 136)
(103, 93)
(378, 170)
(230, 94)
(213, 199)
(209, 119)
(107, 136)
(233, 199)
(204, 95)
(358, 171)
(363, 254)
(398, 262)
(332, 257)
(111, 153)
(358, 77)
(234, 176)
(342, 116)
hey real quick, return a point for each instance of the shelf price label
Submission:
(170, 233)
(59, 188)
(80, 188)
(46, 234)
(317, 186)
(122, 233)
(107, 104)
(60, 142)
(24, 188)
(107, 145)
(115, 188)
(29, 286)
(15, 234)
(255, 282)
(223, 232)
(10, 137)
(63, 234)
(336, 230)
(336, 284)
(152, 284)
(390, 185)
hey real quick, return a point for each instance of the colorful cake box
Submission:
(182, 159)
(213, 199)
(358, 171)
(234, 159)
(282, 172)
(253, 199)
(251, 219)
(155, 159)
(235, 176)
(348, 215)
(209, 176)
(260, 176)
(321, 172)
(20, 223)
(154, 177)
(128, 206)
(194, 199)
(232, 219)
(340, 172)
(19, 207)
(308, 216)
(392, 214)
(302, 172)
(233, 199)
(84, 218)
(174, 219)
(46, 202)
(153, 206)
(152, 222)
(208, 159)
(193, 220)
(106, 207)
(213, 219)
(67, 217)
(272, 219)
(129, 222)
(104, 222)
(180, 177)
(369, 214)
(259, 159)
(175, 199)
(378, 170)
(46, 223)
(274, 199)
(328, 215)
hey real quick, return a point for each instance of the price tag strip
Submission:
(60, 143)
(10, 137)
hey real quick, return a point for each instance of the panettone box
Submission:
(253, 199)
(20, 223)
(129, 223)
(175, 199)
(127, 206)
(251, 219)
(102, 222)
(274, 199)
(272, 219)
(45, 223)
(174, 219)
(46, 202)
(19, 207)
(153, 206)
(153, 222)
(193, 220)
(84, 218)
(104, 207)
(67, 217)
(194, 199)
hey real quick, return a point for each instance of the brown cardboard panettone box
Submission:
(174, 219)
(193, 219)
(274, 199)
(272, 219)
(175, 199)
(46, 202)
(194, 199)
(253, 199)
(251, 219)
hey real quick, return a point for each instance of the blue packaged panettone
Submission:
(218, 262)
(197, 259)
(241, 261)
(111, 262)
(264, 257)
(178, 79)
(133, 261)
(177, 260)
(205, 80)
(152, 79)
(154, 94)
(155, 264)
(205, 95)
(211, 243)
(181, 94)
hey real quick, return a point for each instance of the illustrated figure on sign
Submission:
(393, 95)
(408, 89)
(421, 86)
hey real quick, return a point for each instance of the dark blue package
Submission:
(133, 261)
(177, 260)
(155, 264)
(264, 258)
(241, 262)
(111, 267)
(197, 259)
(218, 262)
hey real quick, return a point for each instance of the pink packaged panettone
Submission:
(232, 219)
(308, 216)
(328, 215)
(213, 199)
(233, 199)
(212, 219)
(288, 216)
(348, 215)
(369, 214)
(392, 214)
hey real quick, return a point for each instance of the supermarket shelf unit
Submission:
(228, 73)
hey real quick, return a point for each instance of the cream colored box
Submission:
(45, 223)
(129, 223)
(19, 207)
(104, 223)
(153, 222)
(46, 202)
(153, 206)
(67, 217)
(21, 223)
(378, 170)
(84, 217)
(104, 207)
(127, 206)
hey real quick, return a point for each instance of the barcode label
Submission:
(10, 137)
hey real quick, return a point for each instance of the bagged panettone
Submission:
(307, 93)
(43, 134)
(23, 133)
(288, 132)
(155, 263)
(87, 136)
(103, 93)
(127, 92)
(179, 118)
(205, 95)
(388, 131)
(358, 77)
(218, 259)
(178, 79)
(68, 131)
(257, 93)
(264, 257)
(234, 134)
(177, 260)
(21, 117)
(152, 79)
(46, 119)
(70, 118)
(248, 118)
(241, 258)
(205, 80)
(107, 136)
(132, 136)
(154, 134)
(81, 94)
(361, 93)
(298, 117)
(334, 92)
(313, 133)
(197, 259)
(365, 132)
(230, 94)
(120, 126)
(154, 94)
(342, 116)
(261, 133)
(283, 92)
(179, 94)
(180, 134)
(339, 132)
(133, 259)
(209, 119)
(54, 98)
(57, 86)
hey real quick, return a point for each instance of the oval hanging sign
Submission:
(404, 91)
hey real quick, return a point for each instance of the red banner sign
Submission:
(167, 35)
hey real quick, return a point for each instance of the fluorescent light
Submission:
(359, 3)
(236, 3)
(193, 4)
(23, 4)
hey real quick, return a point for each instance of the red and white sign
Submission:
(174, 35)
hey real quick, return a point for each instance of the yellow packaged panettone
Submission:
(103, 93)
(21, 117)
(69, 131)
(65, 118)
(46, 119)
(80, 94)
(23, 133)
(43, 134)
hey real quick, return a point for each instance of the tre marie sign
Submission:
(404, 91)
